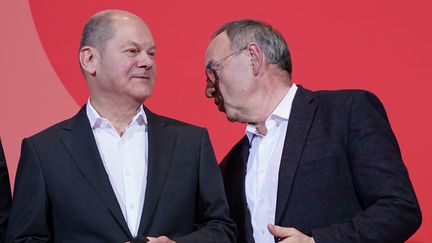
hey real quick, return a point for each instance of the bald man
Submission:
(116, 172)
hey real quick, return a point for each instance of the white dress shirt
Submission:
(263, 167)
(125, 161)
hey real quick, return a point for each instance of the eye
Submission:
(151, 53)
(214, 67)
(132, 51)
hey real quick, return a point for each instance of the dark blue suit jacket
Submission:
(5, 194)
(341, 176)
(63, 194)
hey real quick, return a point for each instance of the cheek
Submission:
(227, 92)
(226, 83)
(153, 73)
(231, 87)
(127, 67)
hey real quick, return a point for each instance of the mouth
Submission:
(221, 107)
(145, 77)
(220, 104)
(213, 92)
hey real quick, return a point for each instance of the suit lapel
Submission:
(301, 117)
(160, 152)
(248, 230)
(82, 147)
(234, 172)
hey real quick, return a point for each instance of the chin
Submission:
(235, 117)
(140, 98)
(144, 92)
(232, 117)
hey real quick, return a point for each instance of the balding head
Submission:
(117, 58)
(242, 32)
(99, 28)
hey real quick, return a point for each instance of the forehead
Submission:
(218, 47)
(131, 30)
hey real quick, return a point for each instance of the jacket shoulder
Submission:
(173, 123)
(344, 94)
(53, 130)
(338, 100)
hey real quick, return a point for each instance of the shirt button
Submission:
(131, 206)
(261, 200)
(262, 232)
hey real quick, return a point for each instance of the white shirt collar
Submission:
(96, 120)
(280, 113)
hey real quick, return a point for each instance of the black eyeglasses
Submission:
(210, 68)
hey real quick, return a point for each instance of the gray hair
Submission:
(242, 32)
(98, 30)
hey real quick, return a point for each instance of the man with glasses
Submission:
(319, 166)
(116, 172)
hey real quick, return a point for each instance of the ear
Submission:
(87, 58)
(256, 57)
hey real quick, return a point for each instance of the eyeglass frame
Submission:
(210, 66)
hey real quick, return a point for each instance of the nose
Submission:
(145, 61)
(210, 89)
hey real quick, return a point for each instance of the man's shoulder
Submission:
(168, 121)
(54, 130)
(340, 94)
(175, 122)
(339, 99)
(171, 122)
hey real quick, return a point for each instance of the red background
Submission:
(383, 46)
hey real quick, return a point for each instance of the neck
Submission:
(119, 114)
(262, 129)
(274, 89)
(275, 85)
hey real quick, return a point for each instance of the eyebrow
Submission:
(152, 47)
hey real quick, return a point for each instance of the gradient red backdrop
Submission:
(383, 46)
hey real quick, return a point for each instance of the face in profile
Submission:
(126, 68)
(229, 80)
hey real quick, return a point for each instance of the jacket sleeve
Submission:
(390, 209)
(213, 222)
(29, 218)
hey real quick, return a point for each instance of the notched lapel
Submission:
(245, 213)
(161, 144)
(82, 147)
(302, 114)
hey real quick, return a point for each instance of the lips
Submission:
(219, 103)
(141, 76)
(221, 106)
(213, 92)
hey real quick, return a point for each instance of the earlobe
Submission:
(88, 60)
